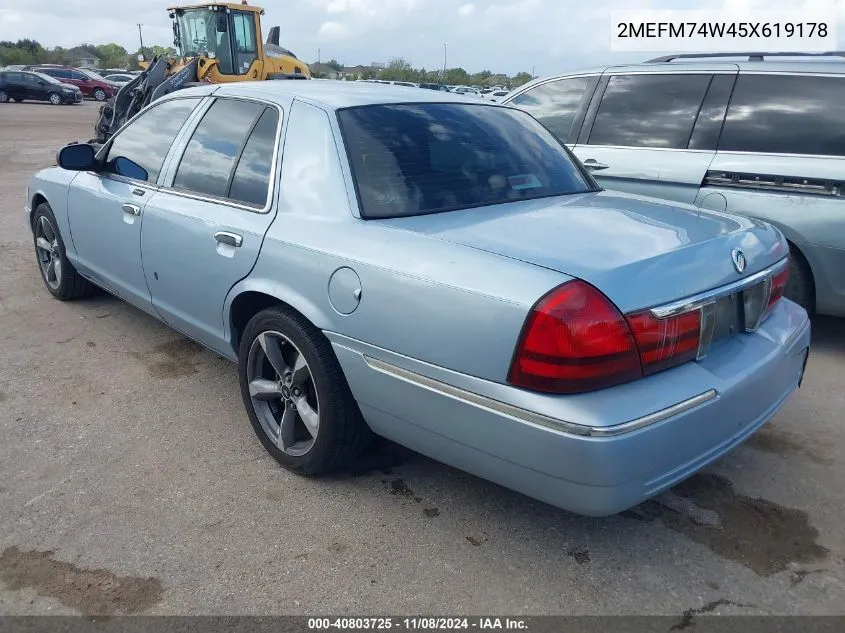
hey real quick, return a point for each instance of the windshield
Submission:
(198, 34)
(47, 78)
(414, 159)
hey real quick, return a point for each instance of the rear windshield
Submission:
(413, 159)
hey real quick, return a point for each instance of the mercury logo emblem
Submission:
(739, 260)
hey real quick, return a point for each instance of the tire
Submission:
(800, 288)
(55, 98)
(341, 432)
(17, 99)
(64, 283)
(4, 96)
(100, 95)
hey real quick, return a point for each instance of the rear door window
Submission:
(211, 162)
(645, 110)
(786, 114)
(147, 140)
(554, 104)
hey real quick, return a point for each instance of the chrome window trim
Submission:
(728, 152)
(537, 419)
(700, 300)
(650, 149)
(274, 170)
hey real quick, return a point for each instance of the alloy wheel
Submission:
(55, 99)
(47, 249)
(99, 95)
(4, 96)
(283, 393)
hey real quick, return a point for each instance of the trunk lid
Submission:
(640, 252)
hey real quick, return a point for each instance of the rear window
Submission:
(413, 159)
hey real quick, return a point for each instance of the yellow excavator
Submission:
(217, 43)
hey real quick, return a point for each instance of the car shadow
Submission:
(829, 334)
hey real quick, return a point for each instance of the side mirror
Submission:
(128, 168)
(77, 157)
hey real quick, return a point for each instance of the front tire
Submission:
(4, 96)
(296, 396)
(58, 274)
(55, 98)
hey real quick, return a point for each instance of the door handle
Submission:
(593, 165)
(131, 209)
(232, 239)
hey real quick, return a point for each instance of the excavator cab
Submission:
(217, 43)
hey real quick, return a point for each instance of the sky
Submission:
(509, 36)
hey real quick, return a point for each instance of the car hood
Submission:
(639, 251)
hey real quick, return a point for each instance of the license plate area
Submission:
(731, 314)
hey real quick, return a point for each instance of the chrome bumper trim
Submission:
(700, 300)
(524, 415)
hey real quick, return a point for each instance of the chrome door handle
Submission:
(593, 165)
(232, 239)
(131, 209)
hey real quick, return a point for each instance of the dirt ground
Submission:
(131, 482)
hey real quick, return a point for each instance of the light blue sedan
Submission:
(437, 270)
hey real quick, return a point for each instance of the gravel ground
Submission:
(131, 482)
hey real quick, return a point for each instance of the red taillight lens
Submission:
(574, 340)
(779, 282)
(668, 342)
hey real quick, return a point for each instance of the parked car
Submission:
(435, 269)
(463, 90)
(430, 86)
(758, 138)
(496, 95)
(20, 85)
(120, 78)
(90, 83)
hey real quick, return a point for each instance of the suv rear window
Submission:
(786, 115)
(413, 159)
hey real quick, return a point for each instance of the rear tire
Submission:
(55, 98)
(288, 359)
(800, 288)
(58, 274)
(4, 96)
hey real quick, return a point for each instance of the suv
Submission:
(21, 85)
(91, 84)
(762, 137)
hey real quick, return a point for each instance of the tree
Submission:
(398, 69)
(457, 76)
(111, 55)
(522, 78)
(334, 65)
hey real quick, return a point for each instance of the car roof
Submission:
(822, 65)
(332, 95)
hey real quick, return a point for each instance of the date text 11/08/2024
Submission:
(416, 624)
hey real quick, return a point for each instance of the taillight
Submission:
(574, 340)
(779, 282)
(667, 342)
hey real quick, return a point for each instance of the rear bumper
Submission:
(752, 375)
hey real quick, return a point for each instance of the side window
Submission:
(251, 181)
(245, 46)
(787, 114)
(146, 140)
(708, 126)
(555, 104)
(649, 110)
(209, 161)
(312, 181)
(78, 76)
